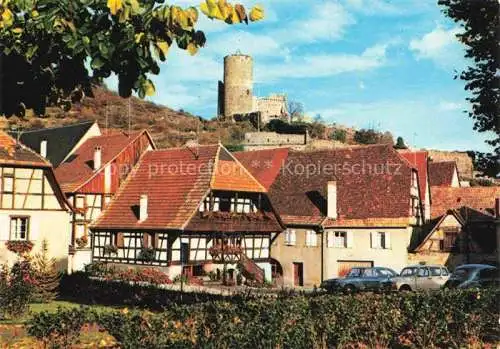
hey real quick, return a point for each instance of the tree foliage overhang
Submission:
(52, 51)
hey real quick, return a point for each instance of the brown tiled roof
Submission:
(175, 181)
(14, 153)
(365, 189)
(418, 159)
(481, 199)
(78, 168)
(263, 164)
(441, 173)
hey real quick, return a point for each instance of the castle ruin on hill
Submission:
(236, 97)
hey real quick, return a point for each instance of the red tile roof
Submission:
(481, 199)
(78, 168)
(263, 164)
(14, 153)
(418, 159)
(372, 182)
(175, 181)
(441, 173)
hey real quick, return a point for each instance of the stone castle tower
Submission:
(236, 92)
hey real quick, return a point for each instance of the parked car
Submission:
(421, 277)
(474, 275)
(361, 279)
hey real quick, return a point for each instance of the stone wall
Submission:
(271, 107)
(262, 140)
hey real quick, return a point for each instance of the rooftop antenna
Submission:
(129, 114)
(106, 115)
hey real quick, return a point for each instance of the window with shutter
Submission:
(350, 239)
(19, 228)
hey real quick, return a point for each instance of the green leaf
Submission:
(97, 63)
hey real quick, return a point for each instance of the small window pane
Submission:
(435, 271)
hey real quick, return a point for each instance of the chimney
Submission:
(331, 199)
(97, 158)
(143, 208)
(43, 148)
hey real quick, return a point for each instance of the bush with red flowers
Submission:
(17, 288)
(20, 247)
(151, 275)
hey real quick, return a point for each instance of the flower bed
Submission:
(149, 275)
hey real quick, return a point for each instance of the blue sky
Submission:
(388, 64)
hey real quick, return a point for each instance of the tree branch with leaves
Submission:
(479, 20)
(52, 51)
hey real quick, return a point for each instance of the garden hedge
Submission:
(447, 318)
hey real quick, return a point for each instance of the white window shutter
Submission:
(314, 238)
(308, 238)
(373, 239)
(293, 237)
(387, 240)
(350, 239)
(329, 239)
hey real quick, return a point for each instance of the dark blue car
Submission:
(361, 279)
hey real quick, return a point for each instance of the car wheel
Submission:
(405, 288)
(349, 289)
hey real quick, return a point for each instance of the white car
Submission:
(421, 277)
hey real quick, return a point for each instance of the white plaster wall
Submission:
(54, 226)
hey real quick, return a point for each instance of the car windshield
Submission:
(462, 274)
(410, 271)
(387, 272)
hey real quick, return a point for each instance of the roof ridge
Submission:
(111, 160)
(244, 168)
(55, 127)
(349, 147)
(162, 150)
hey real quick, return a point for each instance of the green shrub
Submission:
(46, 275)
(339, 135)
(445, 318)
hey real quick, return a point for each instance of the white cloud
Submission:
(439, 45)
(326, 21)
(182, 96)
(450, 106)
(249, 43)
(323, 65)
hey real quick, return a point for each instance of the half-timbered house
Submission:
(420, 160)
(346, 207)
(460, 236)
(32, 206)
(189, 210)
(91, 176)
(462, 228)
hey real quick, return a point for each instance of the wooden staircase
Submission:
(250, 269)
